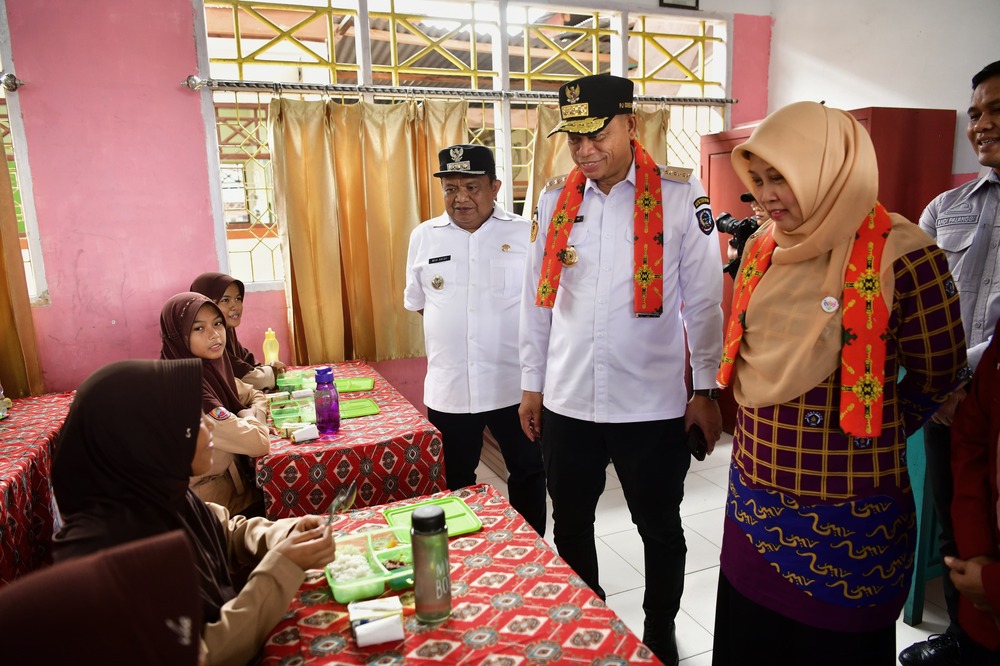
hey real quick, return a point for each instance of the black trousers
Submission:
(651, 461)
(937, 449)
(747, 634)
(462, 437)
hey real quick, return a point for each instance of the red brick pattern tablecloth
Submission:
(395, 454)
(26, 438)
(514, 600)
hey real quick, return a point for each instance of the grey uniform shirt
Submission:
(965, 222)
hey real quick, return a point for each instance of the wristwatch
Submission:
(711, 394)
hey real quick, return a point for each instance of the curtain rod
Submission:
(196, 83)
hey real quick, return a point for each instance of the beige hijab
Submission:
(791, 344)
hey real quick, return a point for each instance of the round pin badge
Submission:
(570, 257)
(437, 282)
(505, 248)
(830, 304)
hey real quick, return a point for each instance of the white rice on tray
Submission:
(351, 564)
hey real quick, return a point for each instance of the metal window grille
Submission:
(455, 47)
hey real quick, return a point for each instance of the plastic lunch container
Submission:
(289, 381)
(389, 557)
(459, 518)
(283, 411)
(293, 380)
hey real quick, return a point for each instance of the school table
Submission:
(514, 601)
(26, 448)
(393, 455)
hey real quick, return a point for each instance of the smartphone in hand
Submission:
(696, 442)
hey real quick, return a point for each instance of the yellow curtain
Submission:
(20, 371)
(350, 183)
(551, 156)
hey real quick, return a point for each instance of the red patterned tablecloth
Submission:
(514, 601)
(26, 437)
(394, 455)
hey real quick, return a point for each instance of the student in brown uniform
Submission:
(135, 433)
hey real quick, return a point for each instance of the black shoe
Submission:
(937, 650)
(660, 637)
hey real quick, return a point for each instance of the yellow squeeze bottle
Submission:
(270, 347)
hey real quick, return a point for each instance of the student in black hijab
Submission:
(135, 433)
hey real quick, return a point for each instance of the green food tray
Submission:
(378, 547)
(457, 515)
(350, 409)
(352, 384)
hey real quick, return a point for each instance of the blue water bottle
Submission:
(327, 402)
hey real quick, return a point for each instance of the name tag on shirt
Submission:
(961, 219)
(438, 260)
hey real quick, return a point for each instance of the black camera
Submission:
(740, 230)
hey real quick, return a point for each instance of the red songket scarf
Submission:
(865, 322)
(647, 217)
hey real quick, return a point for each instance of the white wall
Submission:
(902, 53)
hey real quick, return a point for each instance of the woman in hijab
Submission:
(192, 326)
(227, 292)
(118, 480)
(833, 297)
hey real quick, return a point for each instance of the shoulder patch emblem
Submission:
(554, 183)
(534, 230)
(705, 221)
(220, 413)
(701, 201)
(676, 174)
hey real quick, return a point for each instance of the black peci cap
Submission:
(746, 197)
(466, 159)
(586, 105)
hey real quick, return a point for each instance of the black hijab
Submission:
(218, 380)
(214, 286)
(122, 466)
(132, 604)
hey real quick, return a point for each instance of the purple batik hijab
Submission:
(214, 286)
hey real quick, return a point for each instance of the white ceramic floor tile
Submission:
(707, 524)
(703, 659)
(612, 481)
(612, 513)
(628, 545)
(702, 553)
(494, 481)
(701, 495)
(692, 637)
(616, 574)
(698, 600)
(628, 606)
(717, 475)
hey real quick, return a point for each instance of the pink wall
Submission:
(263, 310)
(751, 61)
(120, 173)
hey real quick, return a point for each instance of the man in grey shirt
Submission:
(965, 222)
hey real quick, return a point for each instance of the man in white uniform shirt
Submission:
(463, 273)
(617, 247)
(965, 222)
